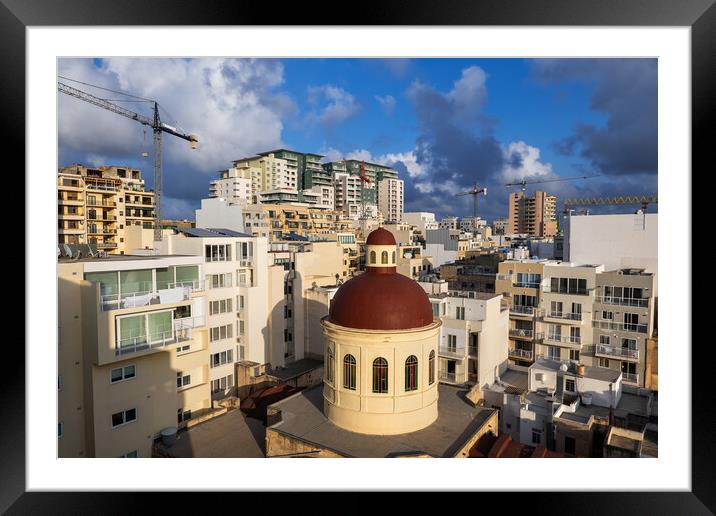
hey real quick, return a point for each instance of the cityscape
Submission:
(296, 300)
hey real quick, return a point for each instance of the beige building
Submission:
(623, 324)
(532, 215)
(133, 352)
(412, 262)
(95, 205)
(276, 221)
(391, 199)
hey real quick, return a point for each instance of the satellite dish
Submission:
(563, 367)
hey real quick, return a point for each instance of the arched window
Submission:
(384, 257)
(349, 372)
(431, 368)
(329, 365)
(411, 373)
(372, 257)
(393, 257)
(380, 375)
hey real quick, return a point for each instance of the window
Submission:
(393, 257)
(183, 380)
(460, 313)
(372, 257)
(122, 373)
(603, 362)
(411, 373)
(629, 344)
(180, 312)
(384, 258)
(452, 343)
(431, 367)
(569, 385)
(436, 309)
(604, 340)
(569, 445)
(224, 357)
(536, 436)
(217, 253)
(574, 354)
(349, 372)
(221, 384)
(124, 417)
(221, 332)
(329, 365)
(631, 322)
(60, 429)
(380, 375)
(183, 415)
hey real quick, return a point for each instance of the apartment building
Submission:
(235, 273)
(133, 352)
(422, 221)
(477, 271)
(304, 167)
(236, 184)
(520, 283)
(413, 262)
(473, 336)
(623, 323)
(472, 224)
(499, 226)
(534, 216)
(94, 205)
(566, 308)
(277, 221)
(294, 317)
(391, 199)
(449, 223)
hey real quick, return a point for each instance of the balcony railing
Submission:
(447, 377)
(522, 310)
(622, 301)
(246, 261)
(565, 315)
(524, 354)
(617, 326)
(517, 332)
(630, 377)
(578, 292)
(95, 202)
(617, 352)
(172, 293)
(525, 284)
(504, 277)
(458, 353)
(563, 339)
(153, 341)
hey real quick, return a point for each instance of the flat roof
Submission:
(124, 258)
(229, 435)
(303, 418)
(296, 368)
(596, 373)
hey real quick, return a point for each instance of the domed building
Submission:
(380, 372)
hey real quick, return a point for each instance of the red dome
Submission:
(381, 301)
(380, 236)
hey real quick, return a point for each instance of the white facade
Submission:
(617, 241)
(440, 255)
(422, 220)
(236, 283)
(324, 196)
(449, 223)
(232, 186)
(220, 213)
(390, 199)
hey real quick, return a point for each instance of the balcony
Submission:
(564, 316)
(612, 351)
(578, 292)
(519, 333)
(173, 293)
(447, 377)
(105, 245)
(563, 340)
(523, 311)
(622, 301)
(246, 261)
(456, 353)
(521, 354)
(95, 202)
(630, 377)
(525, 284)
(70, 201)
(617, 326)
(155, 341)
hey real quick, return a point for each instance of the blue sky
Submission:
(442, 123)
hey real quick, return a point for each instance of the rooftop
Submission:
(303, 418)
(596, 373)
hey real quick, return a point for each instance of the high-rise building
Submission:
(532, 215)
(391, 199)
(305, 167)
(96, 204)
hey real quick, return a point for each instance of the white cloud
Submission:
(469, 92)
(522, 161)
(387, 103)
(334, 105)
(408, 158)
(229, 103)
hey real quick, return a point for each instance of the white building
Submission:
(391, 199)
(422, 220)
(472, 224)
(449, 223)
(234, 185)
(235, 269)
(220, 213)
(325, 196)
(347, 195)
(617, 241)
(473, 336)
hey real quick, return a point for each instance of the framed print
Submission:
(429, 235)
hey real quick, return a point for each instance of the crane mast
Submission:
(157, 128)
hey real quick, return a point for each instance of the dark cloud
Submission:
(625, 91)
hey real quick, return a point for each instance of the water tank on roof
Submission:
(169, 436)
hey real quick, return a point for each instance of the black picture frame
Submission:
(700, 15)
